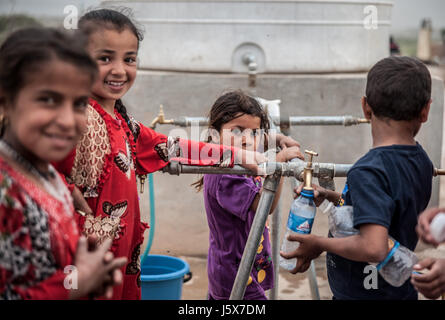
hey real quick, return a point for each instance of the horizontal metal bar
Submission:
(326, 121)
(189, 121)
(288, 169)
(346, 120)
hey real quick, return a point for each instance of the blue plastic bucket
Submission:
(162, 277)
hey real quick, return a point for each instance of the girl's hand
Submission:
(320, 193)
(289, 153)
(285, 141)
(306, 252)
(80, 204)
(423, 225)
(96, 269)
(431, 284)
(115, 276)
(249, 160)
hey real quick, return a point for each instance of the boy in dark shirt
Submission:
(388, 187)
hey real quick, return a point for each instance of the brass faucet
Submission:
(308, 170)
(160, 119)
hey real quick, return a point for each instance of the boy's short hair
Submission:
(398, 88)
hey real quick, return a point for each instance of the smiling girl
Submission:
(45, 81)
(116, 148)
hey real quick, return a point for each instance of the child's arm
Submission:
(370, 245)
(154, 151)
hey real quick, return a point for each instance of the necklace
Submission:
(9, 150)
(60, 192)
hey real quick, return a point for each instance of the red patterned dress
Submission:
(104, 166)
(38, 238)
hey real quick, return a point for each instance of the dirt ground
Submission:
(296, 287)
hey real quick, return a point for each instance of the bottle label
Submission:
(300, 224)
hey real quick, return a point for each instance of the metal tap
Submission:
(252, 67)
(308, 170)
(160, 119)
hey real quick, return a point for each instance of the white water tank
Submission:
(284, 36)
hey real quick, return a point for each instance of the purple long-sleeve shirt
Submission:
(228, 199)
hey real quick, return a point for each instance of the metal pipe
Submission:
(292, 121)
(287, 169)
(283, 122)
(272, 109)
(313, 282)
(189, 121)
(250, 61)
(275, 243)
(325, 121)
(250, 250)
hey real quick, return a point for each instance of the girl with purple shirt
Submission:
(231, 201)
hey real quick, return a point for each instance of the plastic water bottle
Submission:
(300, 221)
(437, 227)
(341, 219)
(397, 266)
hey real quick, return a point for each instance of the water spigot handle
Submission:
(311, 154)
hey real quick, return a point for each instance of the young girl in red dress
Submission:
(45, 81)
(116, 148)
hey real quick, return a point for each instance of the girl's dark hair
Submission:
(229, 106)
(398, 88)
(27, 49)
(115, 19)
(233, 105)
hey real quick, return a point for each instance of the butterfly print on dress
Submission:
(124, 162)
(117, 210)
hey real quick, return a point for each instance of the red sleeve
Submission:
(204, 154)
(151, 149)
(49, 289)
(153, 152)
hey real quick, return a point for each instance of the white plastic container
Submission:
(437, 227)
(292, 36)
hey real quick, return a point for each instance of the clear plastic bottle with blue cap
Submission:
(398, 265)
(301, 215)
